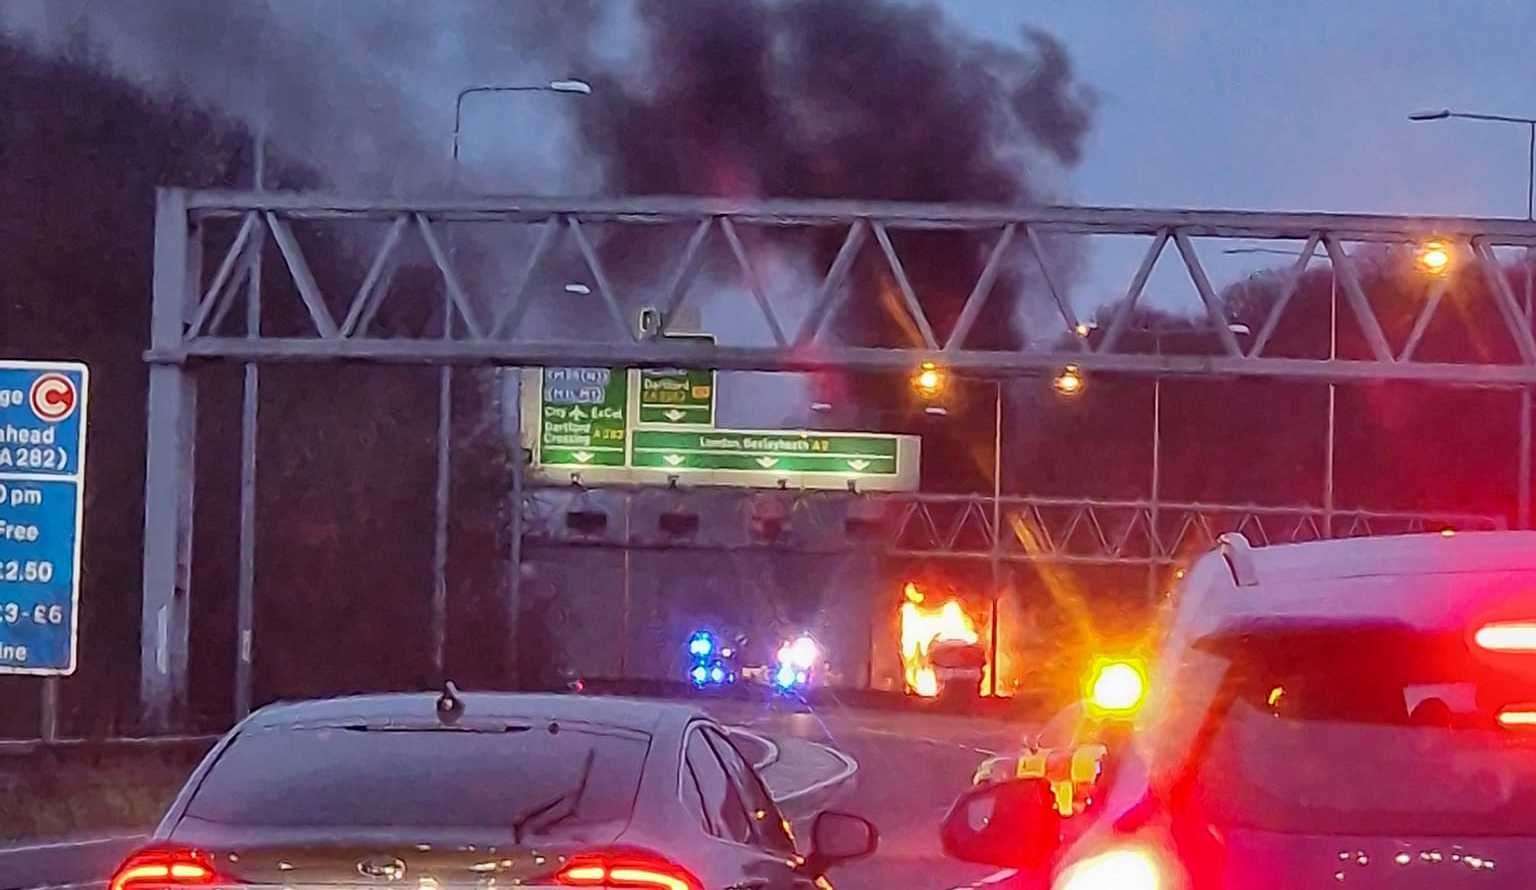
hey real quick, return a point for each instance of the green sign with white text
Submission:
(844, 454)
(677, 397)
(583, 418)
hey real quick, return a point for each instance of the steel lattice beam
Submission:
(1034, 529)
(1018, 235)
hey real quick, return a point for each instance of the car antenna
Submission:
(449, 706)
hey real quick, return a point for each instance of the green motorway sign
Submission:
(677, 397)
(843, 454)
(583, 414)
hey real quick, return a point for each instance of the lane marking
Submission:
(61, 845)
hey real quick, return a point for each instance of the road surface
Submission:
(911, 767)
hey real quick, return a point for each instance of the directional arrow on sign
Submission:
(859, 465)
(767, 462)
(674, 415)
(582, 456)
(673, 460)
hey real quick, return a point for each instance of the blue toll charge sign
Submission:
(42, 492)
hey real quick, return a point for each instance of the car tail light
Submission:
(628, 870)
(164, 868)
(1518, 717)
(1507, 636)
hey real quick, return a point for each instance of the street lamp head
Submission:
(571, 86)
(1069, 382)
(928, 381)
(1440, 115)
(1434, 257)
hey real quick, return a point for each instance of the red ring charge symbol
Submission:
(53, 397)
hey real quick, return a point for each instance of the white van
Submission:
(1348, 713)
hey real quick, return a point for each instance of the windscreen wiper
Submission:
(571, 798)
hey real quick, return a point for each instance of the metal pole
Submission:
(1333, 349)
(1157, 473)
(245, 593)
(1523, 509)
(515, 582)
(169, 468)
(1523, 496)
(1157, 469)
(997, 529)
(441, 505)
(48, 723)
(1530, 180)
(625, 604)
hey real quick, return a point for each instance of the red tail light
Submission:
(164, 868)
(629, 870)
(1507, 636)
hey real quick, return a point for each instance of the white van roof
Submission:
(1455, 578)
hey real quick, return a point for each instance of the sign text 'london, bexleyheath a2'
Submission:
(787, 451)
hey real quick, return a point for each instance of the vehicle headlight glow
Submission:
(803, 653)
(1127, 869)
(785, 677)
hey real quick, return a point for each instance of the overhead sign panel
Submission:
(676, 398)
(583, 417)
(654, 426)
(42, 491)
(785, 451)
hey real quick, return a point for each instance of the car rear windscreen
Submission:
(299, 778)
(1365, 730)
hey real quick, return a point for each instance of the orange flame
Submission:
(921, 627)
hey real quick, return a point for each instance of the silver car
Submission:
(482, 790)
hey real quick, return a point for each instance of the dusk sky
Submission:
(1202, 103)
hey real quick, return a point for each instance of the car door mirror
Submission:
(840, 837)
(1011, 824)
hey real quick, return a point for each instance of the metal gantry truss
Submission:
(489, 318)
(946, 526)
(491, 322)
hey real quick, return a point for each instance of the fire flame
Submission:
(921, 627)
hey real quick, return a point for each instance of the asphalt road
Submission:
(910, 767)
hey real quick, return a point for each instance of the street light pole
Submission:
(997, 526)
(1523, 495)
(439, 626)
